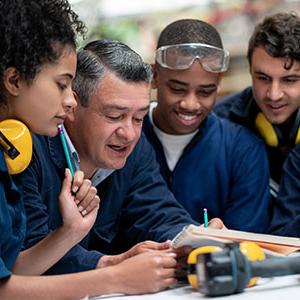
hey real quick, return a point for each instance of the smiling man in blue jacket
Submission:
(207, 162)
(112, 87)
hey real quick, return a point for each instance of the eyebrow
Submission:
(178, 82)
(186, 84)
(285, 76)
(69, 75)
(123, 108)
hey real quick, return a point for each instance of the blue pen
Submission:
(65, 147)
(205, 217)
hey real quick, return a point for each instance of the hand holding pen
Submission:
(80, 190)
(78, 211)
(214, 223)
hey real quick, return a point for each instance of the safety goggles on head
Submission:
(182, 56)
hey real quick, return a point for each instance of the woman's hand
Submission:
(79, 204)
(148, 272)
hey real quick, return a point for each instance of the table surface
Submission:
(268, 288)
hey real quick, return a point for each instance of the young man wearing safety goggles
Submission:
(207, 162)
(270, 108)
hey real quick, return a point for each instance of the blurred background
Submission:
(139, 22)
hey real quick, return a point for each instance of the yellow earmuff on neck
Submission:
(297, 141)
(266, 130)
(16, 143)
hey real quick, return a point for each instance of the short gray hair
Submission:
(112, 55)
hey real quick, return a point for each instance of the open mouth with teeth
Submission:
(276, 107)
(116, 148)
(187, 119)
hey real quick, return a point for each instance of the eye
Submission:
(290, 80)
(139, 120)
(61, 86)
(114, 118)
(263, 78)
(206, 92)
(176, 90)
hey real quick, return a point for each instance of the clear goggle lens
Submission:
(182, 56)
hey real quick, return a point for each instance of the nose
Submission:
(127, 132)
(69, 102)
(190, 102)
(274, 91)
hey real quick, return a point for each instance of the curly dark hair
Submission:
(33, 33)
(189, 31)
(279, 35)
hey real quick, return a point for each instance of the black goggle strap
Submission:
(8, 147)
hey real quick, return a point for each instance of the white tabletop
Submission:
(279, 288)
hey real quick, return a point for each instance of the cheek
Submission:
(208, 103)
(294, 95)
(259, 89)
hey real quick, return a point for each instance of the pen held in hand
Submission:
(65, 147)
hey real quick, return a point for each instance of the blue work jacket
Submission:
(242, 109)
(136, 205)
(286, 207)
(12, 221)
(224, 169)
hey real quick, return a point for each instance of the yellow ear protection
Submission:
(228, 258)
(16, 143)
(272, 135)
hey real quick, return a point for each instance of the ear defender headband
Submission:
(16, 143)
(272, 135)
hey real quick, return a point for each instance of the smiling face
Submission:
(276, 90)
(106, 131)
(184, 97)
(43, 103)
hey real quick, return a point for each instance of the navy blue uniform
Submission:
(242, 109)
(286, 207)
(12, 221)
(224, 169)
(136, 205)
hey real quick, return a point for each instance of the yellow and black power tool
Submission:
(16, 143)
(216, 271)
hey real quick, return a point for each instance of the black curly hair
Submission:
(279, 35)
(189, 31)
(33, 33)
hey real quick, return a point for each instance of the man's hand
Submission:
(146, 246)
(216, 223)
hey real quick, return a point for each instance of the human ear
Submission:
(71, 112)
(154, 79)
(221, 75)
(11, 81)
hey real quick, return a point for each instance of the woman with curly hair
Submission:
(37, 65)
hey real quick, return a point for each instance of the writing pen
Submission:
(65, 147)
(205, 217)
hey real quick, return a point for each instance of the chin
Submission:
(46, 132)
(117, 166)
(276, 120)
(51, 132)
